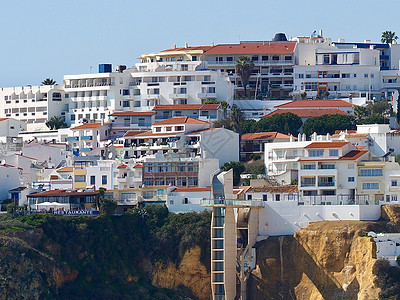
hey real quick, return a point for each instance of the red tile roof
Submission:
(3, 119)
(264, 135)
(89, 125)
(353, 154)
(307, 113)
(321, 145)
(191, 189)
(63, 193)
(316, 104)
(65, 169)
(138, 166)
(253, 48)
(122, 167)
(200, 131)
(177, 106)
(204, 48)
(133, 113)
(347, 131)
(134, 132)
(211, 106)
(180, 120)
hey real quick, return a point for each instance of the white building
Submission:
(187, 199)
(87, 137)
(34, 104)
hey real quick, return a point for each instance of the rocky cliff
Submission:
(153, 257)
(326, 260)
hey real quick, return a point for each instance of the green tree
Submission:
(244, 66)
(236, 119)
(249, 125)
(238, 168)
(388, 37)
(49, 81)
(107, 205)
(374, 119)
(288, 123)
(56, 122)
(382, 107)
(360, 112)
(325, 95)
(303, 95)
(328, 124)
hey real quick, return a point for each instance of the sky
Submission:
(41, 39)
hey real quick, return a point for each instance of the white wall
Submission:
(10, 179)
(176, 205)
(286, 217)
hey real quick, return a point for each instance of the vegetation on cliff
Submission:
(111, 257)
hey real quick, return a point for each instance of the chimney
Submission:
(320, 33)
(174, 46)
(212, 44)
(186, 45)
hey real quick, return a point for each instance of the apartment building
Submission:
(34, 105)
(272, 74)
(84, 138)
(185, 136)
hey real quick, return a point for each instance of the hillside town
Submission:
(268, 135)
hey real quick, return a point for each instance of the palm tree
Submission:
(236, 119)
(49, 81)
(244, 66)
(56, 123)
(388, 37)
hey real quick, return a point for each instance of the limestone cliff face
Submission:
(191, 273)
(27, 273)
(326, 260)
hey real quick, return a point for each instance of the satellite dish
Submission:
(110, 155)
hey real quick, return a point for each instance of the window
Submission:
(315, 153)
(254, 58)
(370, 186)
(92, 179)
(394, 198)
(350, 166)
(125, 104)
(185, 201)
(194, 58)
(229, 58)
(350, 179)
(178, 128)
(80, 178)
(264, 58)
(171, 202)
(327, 167)
(277, 197)
(249, 197)
(371, 172)
(104, 179)
(394, 183)
(158, 129)
(334, 152)
(265, 197)
(347, 75)
(301, 75)
(309, 167)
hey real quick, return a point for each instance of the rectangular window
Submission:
(265, 197)
(394, 182)
(264, 57)
(315, 153)
(185, 201)
(104, 179)
(249, 197)
(80, 178)
(125, 92)
(394, 198)
(125, 103)
(92, 179)
(229, 58)
(370, 186)
(350, 179)
(327, 167)
(309, 167)
(334, 152)
(371, 172)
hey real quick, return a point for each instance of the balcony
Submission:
(72, 138)
(324, 184)
(86, 149)
(206, 95)
(86, 138)
(178, 96)
(122, 179)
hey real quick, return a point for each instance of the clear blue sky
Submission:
(41, 38)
